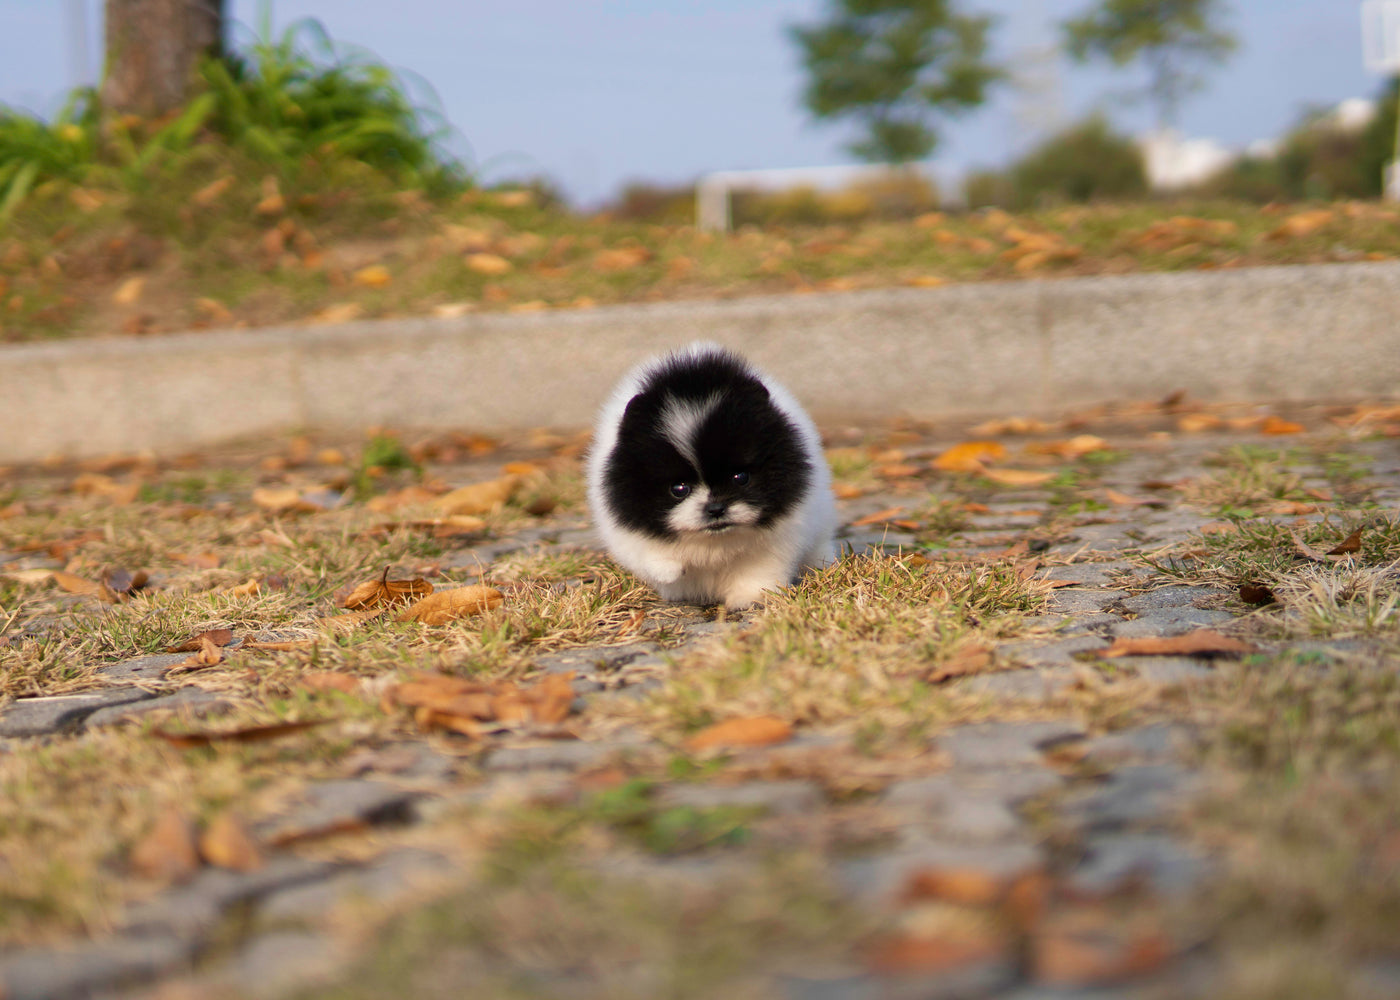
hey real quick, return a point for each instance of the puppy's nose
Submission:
(715, 508)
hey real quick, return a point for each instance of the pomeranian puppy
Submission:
(707, 479)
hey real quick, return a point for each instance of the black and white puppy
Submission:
(707, 479)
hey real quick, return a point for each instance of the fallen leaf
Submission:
(330, 680)
(1277, 425)
(974, 659)
(349, 621)
(477, 498)
(1256, 593)
(1084, 947)
(252, 734)
(1016, 477)
(374, 276)
(212, 191)
(750, 731)
(198, 560)
(940, 938)
(460, 705)
(283, 646)
(1302, 224)
(81, 585)
(168, 851)
(620, 259)
(338, 312)
(1082, 444)
(228, 844)
(1202, 642)
(1352, 543)
(879, 517)
(124, 583)
(1194, 423)
(969, 456)
(129, 291)
(449, 605)
(487, 263)
(218, 636)
(1123, 500)
(382, 592)
(29, 577)
(1316, 555)
(897, 470)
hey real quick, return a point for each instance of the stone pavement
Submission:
(991, 811)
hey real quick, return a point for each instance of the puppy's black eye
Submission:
(741, 479)
(680, 490)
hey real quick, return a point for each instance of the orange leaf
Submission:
(487, 263)
(374, 276)
(1202, 642)
(168, 851)
(1194, 423)
(1277, 425)
(81, 585)
(228, 844)
(1352, 543)
(1082, 444)
(330, 680)
(253, 734)
(972, 659)
(751, 731)
(879, 517)
(218, 636)
(374, 593)
(478, 498)
(969, 456)
(449, 605)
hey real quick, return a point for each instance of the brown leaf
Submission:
(487, 263)
(1256, 593)
(252, 734)
(1302, 224)
(945, 938)
(1123, 500)
(973, 659)
(198, 560)
(478, 498)
(217, 636)
(1089, 946)
(168, 851)
(1202, 642)
(382, 592)
(620, 259)
(449, 605)
(879, 517)
(1194, 423)
(129, 291)
(228, 844)
(286, 646)
(750, 731)
(458, 704)
(1352, 543)
(349, 621)
(1082, 444)
(969, 456)
(212, 191)
(330, 680)
(81, 585)
(1308, 552)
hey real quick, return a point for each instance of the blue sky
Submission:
(595, 94)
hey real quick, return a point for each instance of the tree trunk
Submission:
(153, 49)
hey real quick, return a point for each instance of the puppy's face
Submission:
(701, 449)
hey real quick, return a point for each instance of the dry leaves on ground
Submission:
(462, 706)
(448, 605)
(751, 731)
(1202, 642)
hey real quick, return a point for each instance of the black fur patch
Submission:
(744, 432)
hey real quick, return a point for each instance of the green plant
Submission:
(1087, 162)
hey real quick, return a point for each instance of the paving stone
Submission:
(408, 761)
(1379, 979)
(1060, 652)
(42, 716)
(933, 792)
(1170, 621)
(78, 972)
(1148, 744)
(141, 668)
(391, 876)
(1170, 597)
(780, 798)
(334, 805)
(1161, 863)
(191, 700)
(560, 755)
(1005, 744)
(195, 908)
(274, 964)
(1096, 624)
(1137, 795)
(1166, 669)
(853, 987)
(1073, 601)
(1088, 574)
(1019, 685)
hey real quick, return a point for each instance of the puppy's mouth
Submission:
(715, 529)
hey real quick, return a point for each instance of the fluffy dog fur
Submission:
(708, 480)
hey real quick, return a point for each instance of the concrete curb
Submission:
(1319, 331)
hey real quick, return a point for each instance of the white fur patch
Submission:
(681, 418)
(689, 514)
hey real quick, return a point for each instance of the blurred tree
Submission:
(1169, 35)
(153, 52)
(894, 66)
